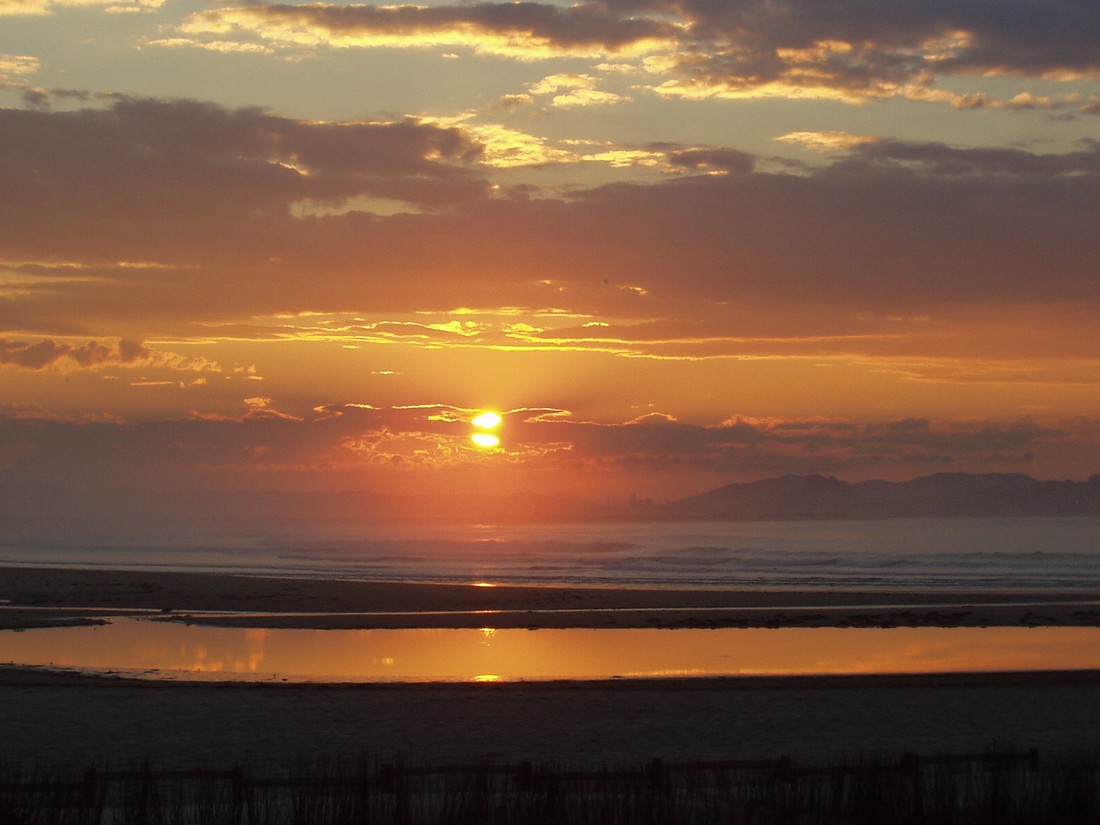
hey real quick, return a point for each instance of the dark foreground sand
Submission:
(77, 721)
(70, 721)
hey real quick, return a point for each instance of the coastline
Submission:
(48, 597)
(55, 717)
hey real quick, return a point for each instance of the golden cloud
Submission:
(528, 31)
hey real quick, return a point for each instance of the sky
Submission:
(673, 243)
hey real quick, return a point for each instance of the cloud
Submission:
(17, 64)
(522, 30)
(568, 90)
(46, 354)
(170, 182)
(864, 51)
(20, 7)
(503, 147)
(742, 48)
(833, 141)
(888, 224)
(160, 156)
(356, 447)
(232, 213)
(38, 7)
(721, 160)
(14, 69)
(790, 444)
(941, 160)
(223, 46)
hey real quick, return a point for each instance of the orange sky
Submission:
(673, 244)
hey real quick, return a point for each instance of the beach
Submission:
(52, 596)
(78, 719)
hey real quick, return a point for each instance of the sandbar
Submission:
(37, 597)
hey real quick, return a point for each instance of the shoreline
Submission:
(58, 717)
(59, 676)
(52, 597)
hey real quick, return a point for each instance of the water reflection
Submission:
(171, 650)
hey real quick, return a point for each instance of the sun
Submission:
(485, 440)
(482, 424)
(487, 420)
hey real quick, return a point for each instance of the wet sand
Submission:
(69, 719)
(42, 597)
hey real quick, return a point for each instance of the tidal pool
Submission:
(168, 650)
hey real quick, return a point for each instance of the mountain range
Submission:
(938, 495)
(31, 515)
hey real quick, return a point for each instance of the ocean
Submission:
(957, 554)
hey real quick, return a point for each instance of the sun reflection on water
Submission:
(494, 654)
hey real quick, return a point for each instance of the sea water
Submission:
(957, 554)
(167, 650)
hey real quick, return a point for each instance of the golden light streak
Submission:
(300, 26)
(829, 141)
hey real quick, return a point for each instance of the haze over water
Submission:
(935, 554)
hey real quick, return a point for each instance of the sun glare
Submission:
(485, 440)
(487, 420)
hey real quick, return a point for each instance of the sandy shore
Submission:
(76, 721)
(79, 720)
(35, 597)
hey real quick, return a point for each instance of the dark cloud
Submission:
(784, 445)
(154, 171)
(891, 227)
(196, 201)
(874, 47)
(941, 160)
(46, 353)
(357, 446)
(725, 160)
(859, 49)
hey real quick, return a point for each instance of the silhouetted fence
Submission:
(1004, 787)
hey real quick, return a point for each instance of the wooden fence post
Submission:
(237, 777)
(91, 788)
(386, 778)
(783, 767)
(656, 773)
(1033, 759)
(525, 776)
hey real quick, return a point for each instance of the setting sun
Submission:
(487, 420)
(485, 440)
